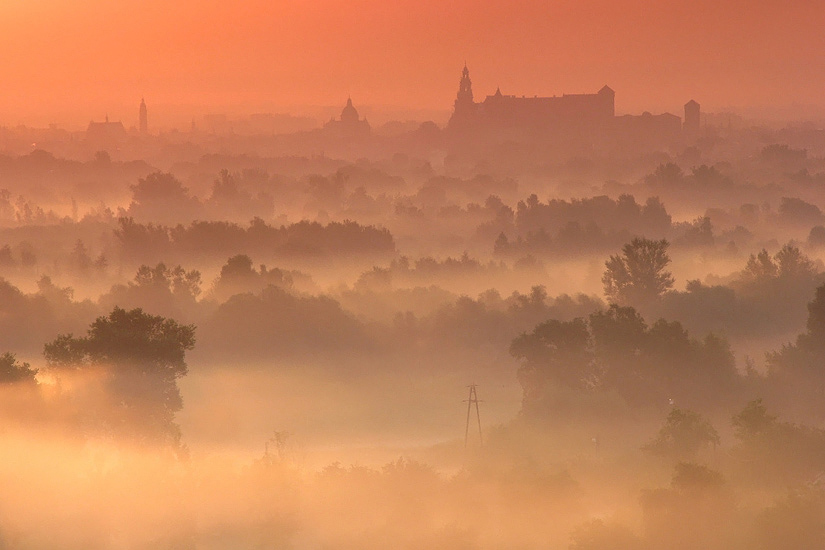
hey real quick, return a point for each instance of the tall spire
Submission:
(465, 87)
(144, 118)
(465, 108)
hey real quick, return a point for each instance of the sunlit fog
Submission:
(378, 276)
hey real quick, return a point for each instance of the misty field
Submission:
(244, 315)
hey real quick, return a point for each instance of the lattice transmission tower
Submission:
(472, 400)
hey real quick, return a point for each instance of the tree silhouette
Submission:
(614, 350)
(794, 264)
(753, 422)
(13, 372)
(760, 268)
(684, 434)
(638, 274)
(775, 451)
(176, 281)
(141, 356)
(814, 339)
(557, 351)
(797, 371)
(789, 264)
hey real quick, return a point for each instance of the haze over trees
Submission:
(232, 335)
(135, 359)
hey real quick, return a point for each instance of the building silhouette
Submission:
(647, 131)
(573, 122)
(349, 124)
(692, 124)
(106, 135)
(143, 118)
(503, 112)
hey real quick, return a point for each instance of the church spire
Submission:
(143, 118)
(465, 108)
(465, 87)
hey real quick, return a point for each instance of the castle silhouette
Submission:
(582, 118)
(509, 110)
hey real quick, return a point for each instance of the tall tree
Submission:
(141, 357)
(556, 351)
(638, 274)
(797, 371)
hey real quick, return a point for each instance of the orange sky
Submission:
(73, 60)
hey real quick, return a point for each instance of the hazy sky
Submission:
(80, 59)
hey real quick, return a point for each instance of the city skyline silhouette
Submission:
(73, 59)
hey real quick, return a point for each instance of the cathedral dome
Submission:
(349, 114)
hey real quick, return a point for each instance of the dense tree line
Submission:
(303, 239)
(615, 350)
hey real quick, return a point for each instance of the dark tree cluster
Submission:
(238, 275)
(595, 225)
(276, 323)
(622, 214)
(796, 373)
(614, 350)
(137, 359)
(28, 319)
(427, 270)
(13, 371)
(148, 242)
(171, 291)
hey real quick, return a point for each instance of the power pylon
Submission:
(472, 400)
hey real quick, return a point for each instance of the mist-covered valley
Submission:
(414, 337)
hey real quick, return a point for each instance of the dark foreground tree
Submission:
(138, 357)
(638, 275)
(557, 351)
(615, 351)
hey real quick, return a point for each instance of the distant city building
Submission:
(502, 112)
(692, 119)
(144, 118)
(105, 135)
(648, 131)
(577, 121)
(349, 124)
(217, 123)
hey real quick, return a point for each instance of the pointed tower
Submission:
(144, 118)
(465, 107)
(465, 88)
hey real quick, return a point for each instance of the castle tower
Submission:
(465, 107)
(144, 118)
(692, 123)
(465, 88)
(607, 101)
